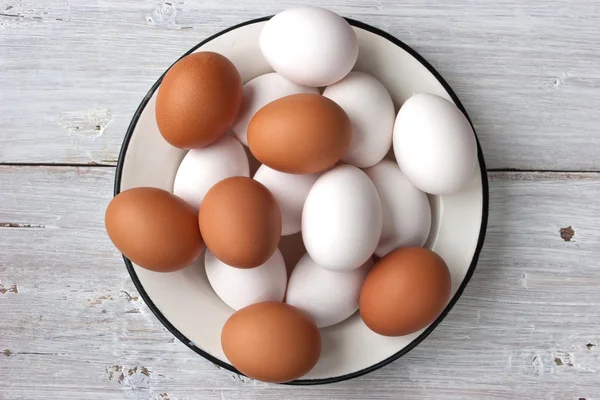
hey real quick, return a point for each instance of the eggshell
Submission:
(290, 191)
(342, 219)
(240, 222)
(371, 111)
(329, 297)
(154, 229)
(406, 210)
(434, 144)
(271, 342)
(405, 291)
(239, 287)
(202, 168)
(198, 100)
(300, 134)
(310, 46)
(258, 93)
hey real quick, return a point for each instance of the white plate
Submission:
(184, 301)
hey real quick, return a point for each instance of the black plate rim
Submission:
(424, 334)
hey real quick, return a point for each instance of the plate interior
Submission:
(185, 298)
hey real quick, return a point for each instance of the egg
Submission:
(405, 291)
(240, 287)
(342, 219)
(240, 222)
(202, 168)
(198, 100)
(259, 92)
(290, 191)
(271, 342)
(329, 297)
(434, 144)
(154, 229)
(310, 46)
(371, 111)
(300, 134)
(406, 210)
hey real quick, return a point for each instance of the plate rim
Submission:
(482, 231)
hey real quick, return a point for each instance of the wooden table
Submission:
(72, 326)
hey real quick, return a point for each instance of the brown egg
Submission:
(240, 222)
(405, 291)
(198, 100)
(154, 229)
(300, 134)
(271, 342)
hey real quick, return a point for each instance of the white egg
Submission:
(310, 46)
(202, 168)
(328, 297)
(434, 144)
(406, 210)
(259, 92)
(290, 191)
(342, 219)
(371, 111)
(240, 287)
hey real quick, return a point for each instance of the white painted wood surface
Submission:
(74, 71)
(72, 326)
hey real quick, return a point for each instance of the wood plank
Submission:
(73, 324)
(74, 71)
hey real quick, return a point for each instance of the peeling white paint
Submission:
(523, 281)
(86, 122)
(164, 16)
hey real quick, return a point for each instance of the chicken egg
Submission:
(198, 100)
(342, 219)
(329, 297)
(405, 291)
(240, 287)
(310, 46)
(202, 168)
(290, 191)
(240, 222)
(271, 341)
(406, 210)
(371, 111)
(154, 229)
(300, 134)
(258, 93)
(434, 144)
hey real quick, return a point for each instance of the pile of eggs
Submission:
(321, 132)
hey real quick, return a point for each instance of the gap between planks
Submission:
(518, 174)
(72, 165)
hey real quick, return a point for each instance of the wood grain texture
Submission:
(73, 326)
(74, 71)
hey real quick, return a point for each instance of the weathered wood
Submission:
(71, 323)
(73, 326)
(74, 71)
